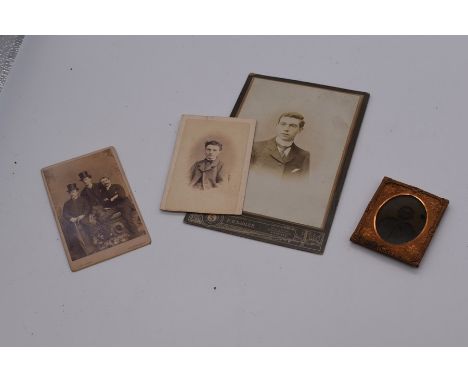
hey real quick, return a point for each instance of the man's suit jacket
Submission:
(93, 195)
(265, 155)
(114, 189)
(205, 174)
(75, 207)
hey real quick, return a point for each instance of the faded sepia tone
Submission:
(300, 143)
(94, 208)
(304, 140)
(209, 166)
(280, 156)
(210, 172)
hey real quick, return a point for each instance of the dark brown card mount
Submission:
(268, 230)
(400, 221)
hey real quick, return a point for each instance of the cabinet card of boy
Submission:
(94, 208)
(303, 144)
(210, 164)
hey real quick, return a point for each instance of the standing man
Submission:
(280, 155)
(75, 214)
(209, 172)
(113, 196)
(92, 192)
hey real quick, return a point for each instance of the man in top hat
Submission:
(91, 191)
(114, 196)
(75, 212)
(280, 155)
(208, 173)
(76, 208)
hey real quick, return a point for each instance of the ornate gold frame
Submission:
(412, 252)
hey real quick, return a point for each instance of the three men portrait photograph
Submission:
(94, 208)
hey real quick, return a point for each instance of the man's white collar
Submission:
(283, 143)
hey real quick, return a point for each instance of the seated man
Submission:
(113, 196)
(77, 225)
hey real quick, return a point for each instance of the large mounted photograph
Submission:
(94, 208)
(303, 143)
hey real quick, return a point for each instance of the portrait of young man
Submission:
(280, 155)
(208, 173)
(210, 165)
(302, 136)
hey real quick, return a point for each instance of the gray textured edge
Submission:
(289, 235)
(9, 47)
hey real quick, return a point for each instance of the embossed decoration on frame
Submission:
(259, 228)
(400, 221)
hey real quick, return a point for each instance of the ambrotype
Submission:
(400, 221)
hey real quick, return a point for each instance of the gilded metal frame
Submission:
(411, 252)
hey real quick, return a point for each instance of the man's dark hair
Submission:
(214, 143)
(294, 115)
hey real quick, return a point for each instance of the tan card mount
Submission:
(210, 164)
(94, 208)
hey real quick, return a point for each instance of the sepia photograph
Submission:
(303, 143)
(95, 210)
(210, 165)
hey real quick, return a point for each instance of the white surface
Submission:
(69, 96)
